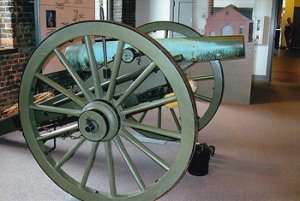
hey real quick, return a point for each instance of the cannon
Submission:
(126, 84)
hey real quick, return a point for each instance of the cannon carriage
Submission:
(137, 87)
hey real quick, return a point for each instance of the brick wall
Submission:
(124, 11)
(128, 12)
(117, 12)
(17, 31)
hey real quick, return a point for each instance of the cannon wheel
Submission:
(102, 131)
(217, 70)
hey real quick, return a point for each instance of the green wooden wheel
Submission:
(97, 155)
(210, 81)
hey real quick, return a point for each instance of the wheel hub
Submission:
(99, 121)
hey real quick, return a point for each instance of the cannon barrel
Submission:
(206, 48)
(191, 48)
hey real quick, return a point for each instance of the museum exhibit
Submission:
(143, 100)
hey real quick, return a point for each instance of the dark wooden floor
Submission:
(285, 84)
(286, 66)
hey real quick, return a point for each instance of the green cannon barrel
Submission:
(191, 48)
(206, 48)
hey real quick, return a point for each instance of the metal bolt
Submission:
(91, 126)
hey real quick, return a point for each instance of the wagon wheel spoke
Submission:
(136, 83)
(59, 110)
(115, 71)
(93, 66)
(175, 118)
(143, 116)
(204, 98)
(152, 129)
(89, 165)
(104, 47)
(69, 154)
(89, 96)
(148, 106)
(61, 89)
(159, 117)
(118, 142)
(166, 34)
(203, 78)
(111, 169)
(159, 161)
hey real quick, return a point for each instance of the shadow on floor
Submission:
(265, 92)
(13, 143)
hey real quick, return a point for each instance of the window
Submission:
(227, 30)
(212, 33)
(241, 31)
(6, 31)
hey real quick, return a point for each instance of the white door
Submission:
(183, 12)
(192, 13)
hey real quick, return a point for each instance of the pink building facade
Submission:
(229, 21)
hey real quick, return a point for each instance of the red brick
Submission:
(18, 76)
(6, 68)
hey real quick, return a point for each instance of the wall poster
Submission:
(53, 15)
(58, 13)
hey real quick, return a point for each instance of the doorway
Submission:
(296, 37)
(286, 63)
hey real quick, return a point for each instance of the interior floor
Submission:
(285, 79)
(286, 66)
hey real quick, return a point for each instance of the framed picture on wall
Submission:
(50, 18)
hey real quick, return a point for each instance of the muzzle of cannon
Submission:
(136, 85)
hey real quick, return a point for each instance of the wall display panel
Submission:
(58, 13)
(53, 15)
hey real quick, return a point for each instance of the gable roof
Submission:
(230, 8)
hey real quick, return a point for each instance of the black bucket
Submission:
(200, 161)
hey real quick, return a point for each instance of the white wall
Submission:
(152, 10)
(261, 9)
